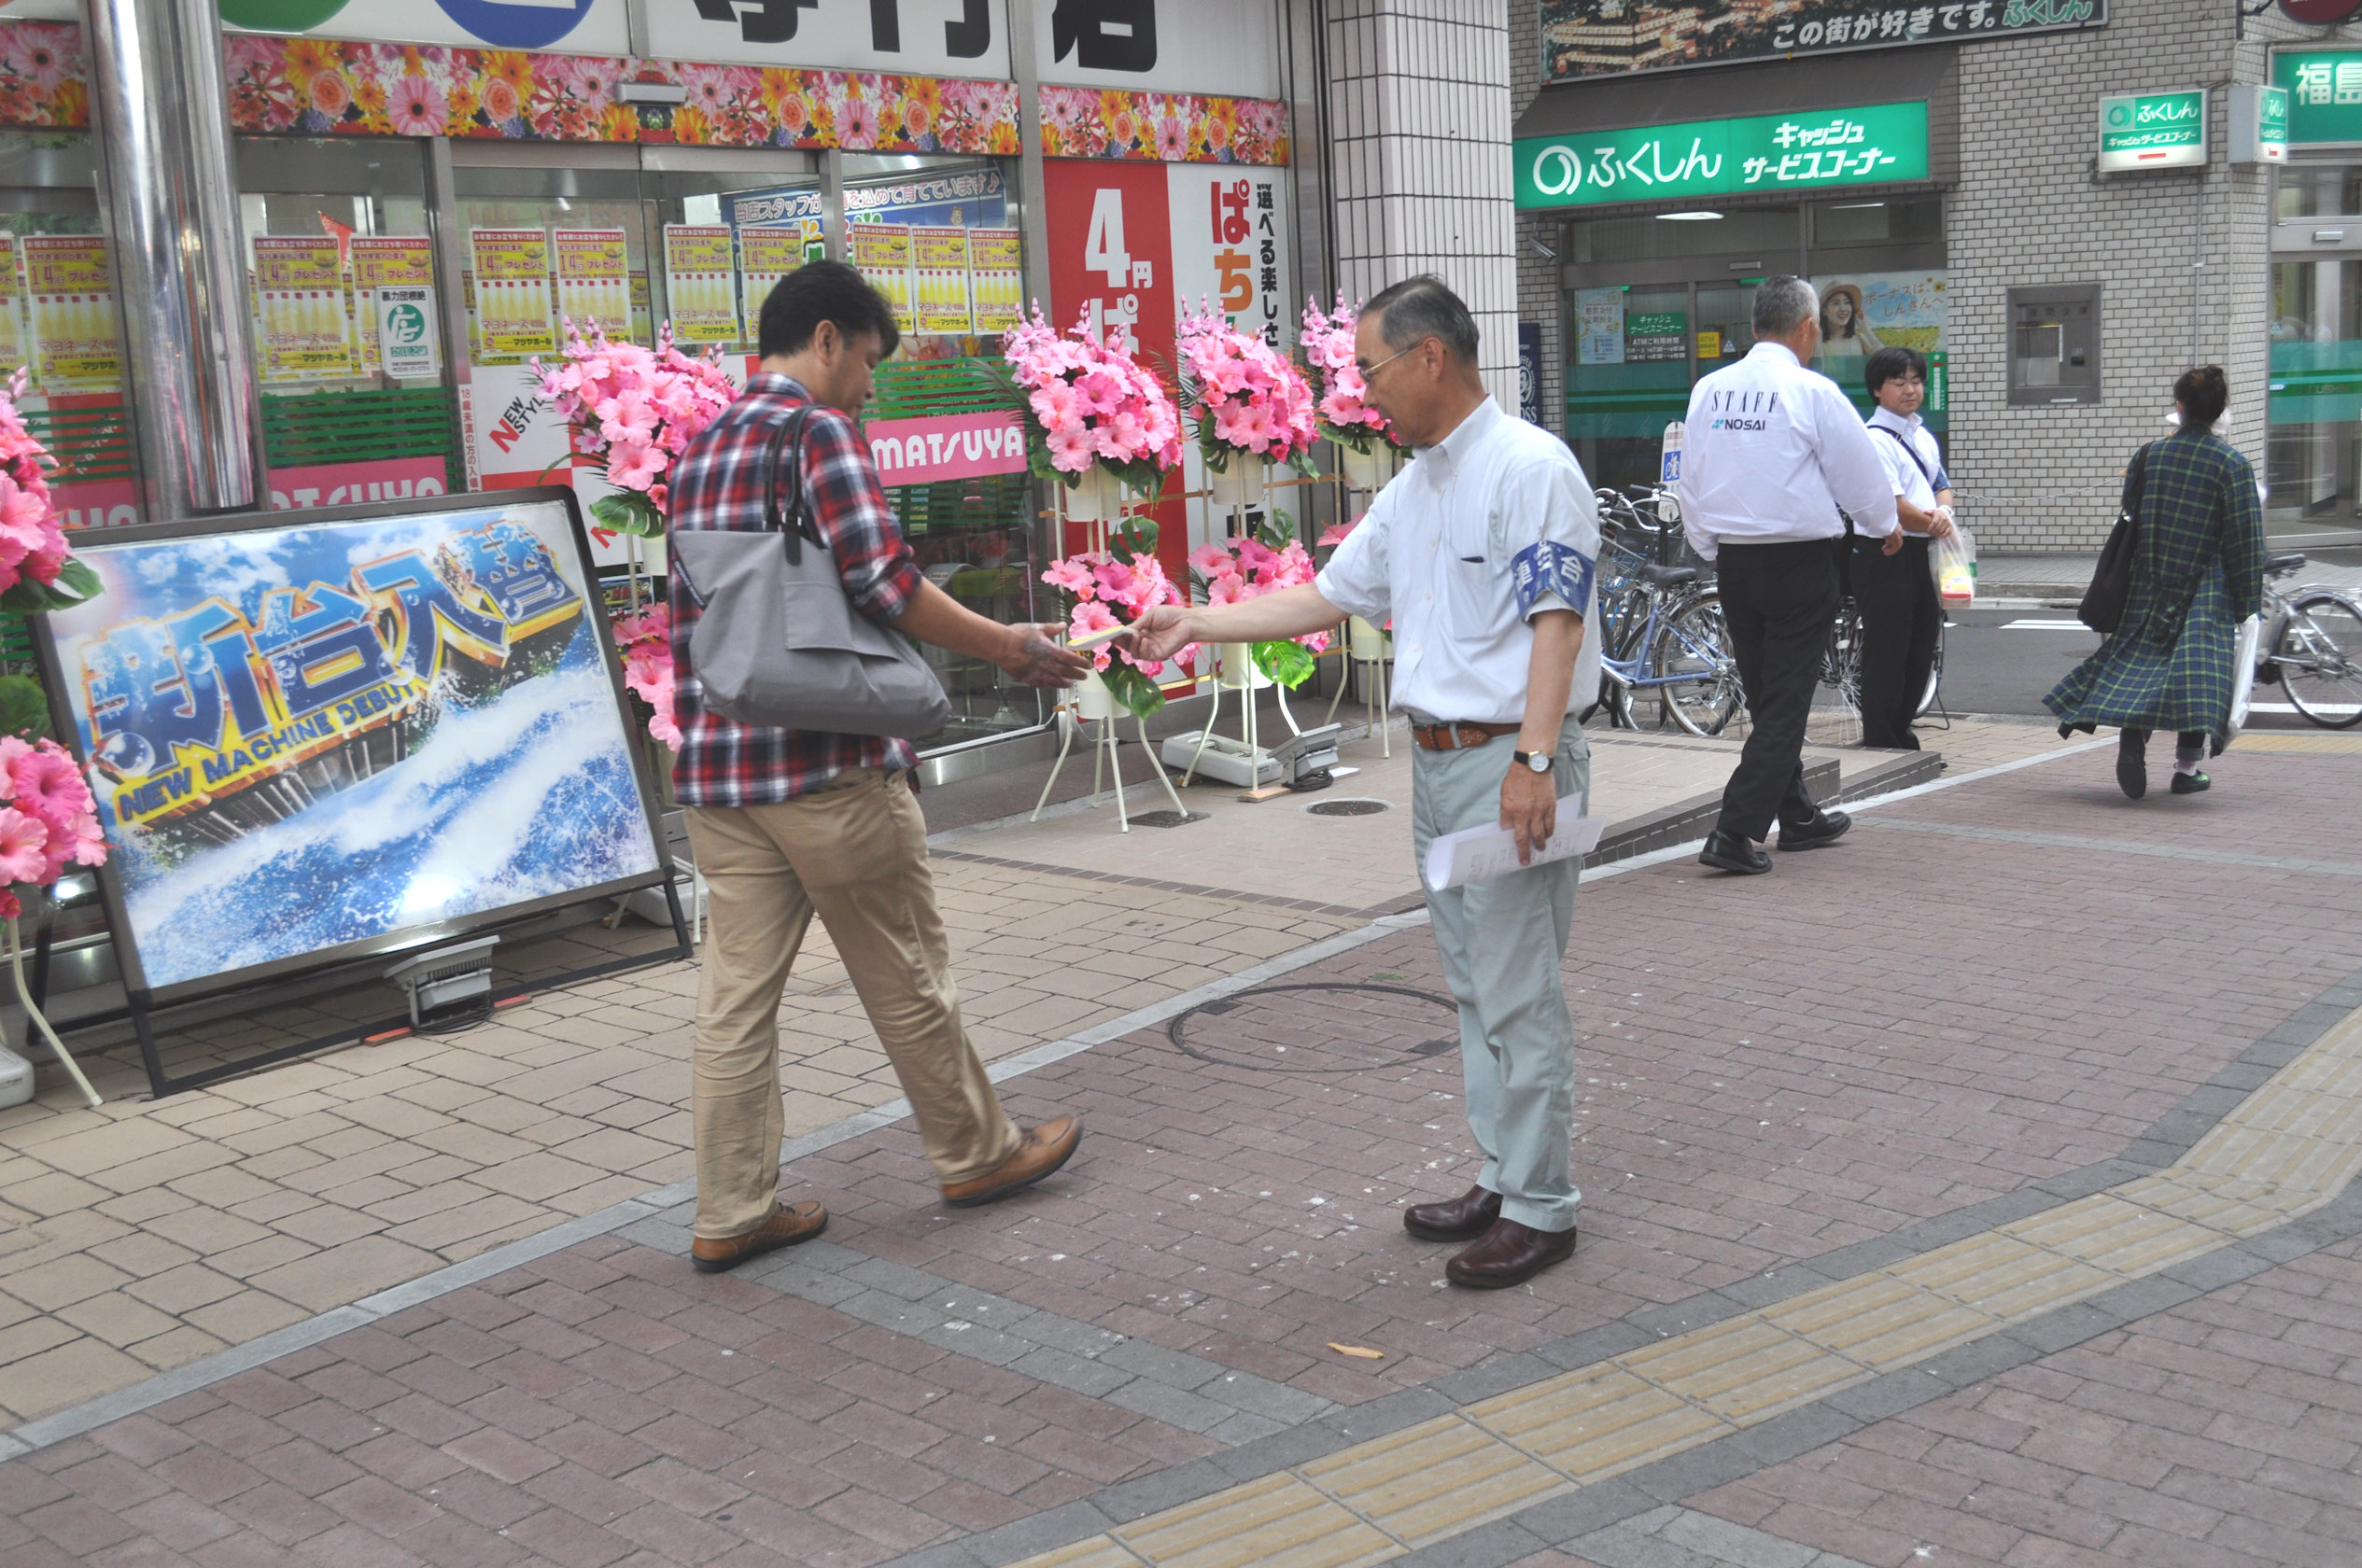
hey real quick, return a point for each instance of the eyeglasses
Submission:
(1370, 370)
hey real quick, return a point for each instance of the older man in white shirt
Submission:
(1482, 552)
(1770, 453)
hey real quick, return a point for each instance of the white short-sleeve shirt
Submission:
(1482, 532)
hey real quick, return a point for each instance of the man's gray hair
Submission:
(1422, 307)
(1781, 305)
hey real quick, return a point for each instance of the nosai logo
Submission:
(1736, 425)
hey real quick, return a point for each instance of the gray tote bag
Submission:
(778, 643)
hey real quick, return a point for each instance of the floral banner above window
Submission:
(324, 87)
(1161, 128)
(41, 82)
(320, 87)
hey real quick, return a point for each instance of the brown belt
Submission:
(1453, 737)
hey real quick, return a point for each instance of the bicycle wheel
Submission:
(1840, 723)
(2319, 653)
(1693, 658)
(1934, 679)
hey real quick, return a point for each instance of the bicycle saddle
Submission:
(1668, 576)
(2281, 565)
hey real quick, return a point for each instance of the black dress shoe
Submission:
(1826, 827)
(1729, 851)
(2191, 783)
(1460, 1218)
(2132, 764)
(1510, 1255)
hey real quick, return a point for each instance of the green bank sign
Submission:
(1829, 149)
(2153, 131)
(2325, 95)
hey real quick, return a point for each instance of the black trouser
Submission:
(1779, 601)
(1901, 620)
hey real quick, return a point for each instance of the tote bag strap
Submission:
(788, 516)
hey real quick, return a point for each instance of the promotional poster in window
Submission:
(312, 737)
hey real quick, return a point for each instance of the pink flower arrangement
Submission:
(1346, 418)
(1246, 568)
(644, 639)
(1247, 395)
(632, 410)
(37, 571)
(1114, 587)
(48, 821)
(1088, 401)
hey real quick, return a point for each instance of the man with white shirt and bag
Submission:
(1482, 552)
(1770, 453)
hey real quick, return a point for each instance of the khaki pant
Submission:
(854, 852)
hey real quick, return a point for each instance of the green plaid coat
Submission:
(2197, 571)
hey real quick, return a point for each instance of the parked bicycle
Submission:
(1660, 627)
(2312, 646)
(1841, 664)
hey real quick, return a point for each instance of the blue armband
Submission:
(1552, 568)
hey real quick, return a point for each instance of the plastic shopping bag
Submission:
(1952, 561)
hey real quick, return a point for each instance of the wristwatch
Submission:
(1539, 761)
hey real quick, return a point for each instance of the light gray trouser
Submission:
(1502, 940)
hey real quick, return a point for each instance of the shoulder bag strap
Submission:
(1917, 461)
(787, 517)
(2135, 480)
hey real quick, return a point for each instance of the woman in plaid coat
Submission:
(2197, 571)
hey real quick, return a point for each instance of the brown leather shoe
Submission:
(789, 1224)
(1039, 1154)
(1460, 1218)
(1510, 1255)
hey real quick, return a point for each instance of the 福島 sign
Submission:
(1878, 145)
(1605, 37)
(310, 738)
(2153, 131)
(2325, 95)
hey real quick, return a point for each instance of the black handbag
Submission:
(2103, 606)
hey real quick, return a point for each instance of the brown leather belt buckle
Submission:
(1452, 736)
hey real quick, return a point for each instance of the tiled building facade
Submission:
(2183, 256)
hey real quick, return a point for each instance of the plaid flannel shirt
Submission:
(717, 483)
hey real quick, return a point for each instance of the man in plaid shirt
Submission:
(786, 824)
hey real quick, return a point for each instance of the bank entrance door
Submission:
(1655, 301)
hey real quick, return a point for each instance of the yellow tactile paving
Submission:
(1097, 1552)
(2280, 740)
(2230, 1204)
(1595, 1423)
(2122, 1238)
(2284, 1151)
(1276, 1522)
(1881, 1322)
(1744, 1370)
(1432, 1481)
(2002, 1275)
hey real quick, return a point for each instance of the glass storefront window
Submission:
(58, 320)
(2320, 190)
(341, 279)
(2314, 396)
(1777, 233)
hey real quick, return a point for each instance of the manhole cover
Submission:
(1315, 1027)
(1350, 807)
(1165, 818)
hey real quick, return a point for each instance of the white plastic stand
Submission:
(1365, 645)
(33, 1013)
(1244, 761)
(1093, 703)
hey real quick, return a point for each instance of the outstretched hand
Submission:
(1037, 658)
(1160, 632)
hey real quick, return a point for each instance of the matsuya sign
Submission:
(1878, 145)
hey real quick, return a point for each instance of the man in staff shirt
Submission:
(1482, 552)
(1770, 452)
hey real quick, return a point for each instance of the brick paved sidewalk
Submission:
(1999, 998)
